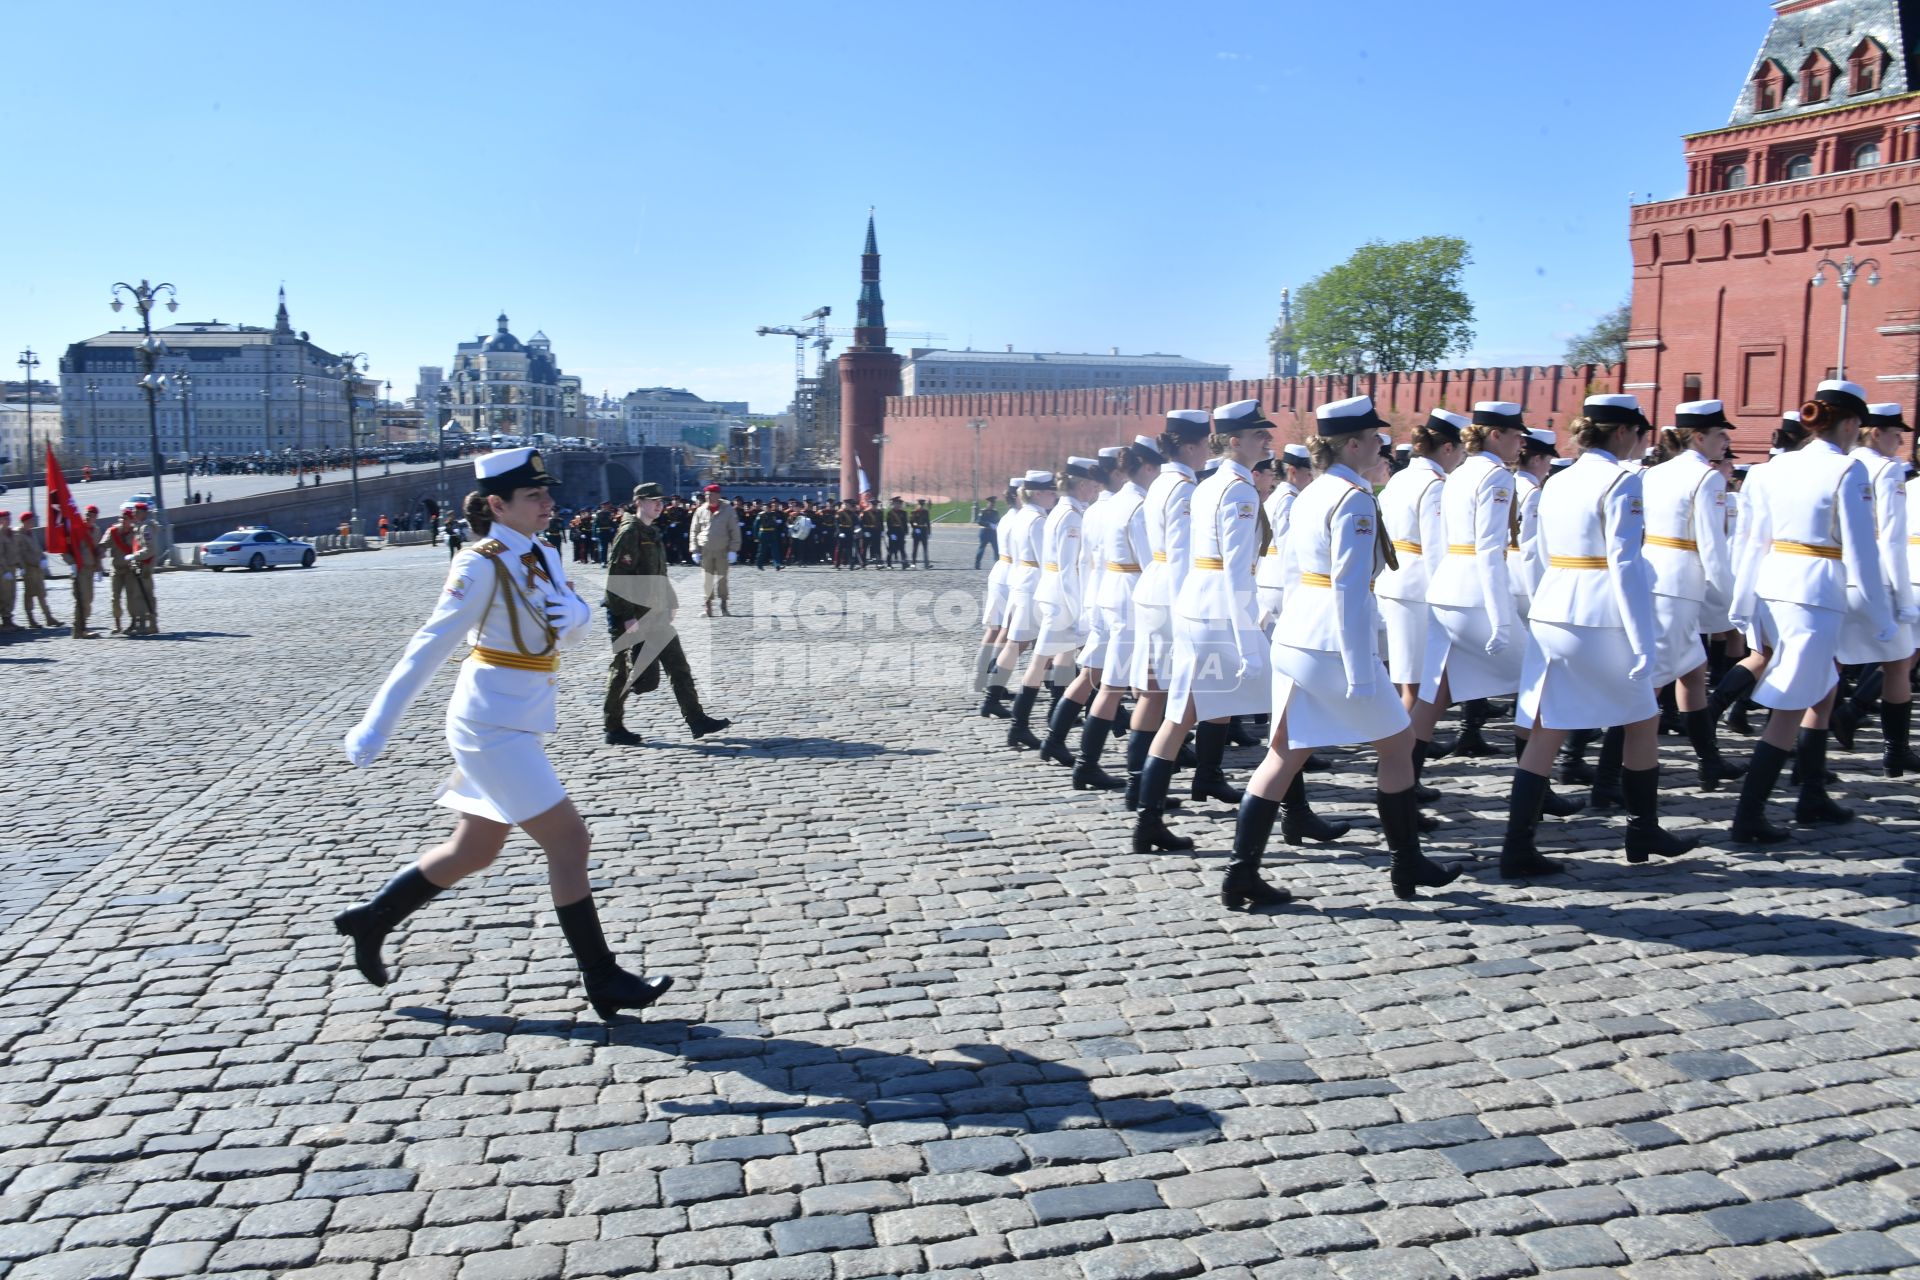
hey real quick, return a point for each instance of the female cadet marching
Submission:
(1692, 568)
(1329, 685)
(993, 622)
(1592, 638)
(1168, 509)
(1890, 681)
(1063, 623)
(1810, 533)
(1410, 511)
(509, 598)
(1123, 554)
(1294, 469)
(1020, 540)
(1077, 696)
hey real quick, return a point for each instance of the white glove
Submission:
(363, 742)
(1885, 633)
(1499, 641)
(566, 612)
(1909, 614)
(1642, 667)
(732, 556)
(1240, 672)
(1359, 691)
(1740, 624)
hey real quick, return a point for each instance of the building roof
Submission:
(1154, 359)
(1836, 27)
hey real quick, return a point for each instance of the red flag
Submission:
(64, 529)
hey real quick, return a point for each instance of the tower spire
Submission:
(870, 325)
(281, 324)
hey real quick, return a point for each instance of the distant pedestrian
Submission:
(455, 536)
(385, 528)
(988, 518)
(716, 541)
(32, 559)
(920, 519)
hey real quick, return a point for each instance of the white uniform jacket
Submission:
(1123, 551)
(1476, 509)
(1592, 526)
(1913, 539)
(499, 600)
(1524, 566)
(1888, 476)
(1333, 552)
(1062, 561)
(1226, 541)
(1169, 509)
(1687, 547)
(1410, 508)
(1022, 543)
(1093, 541)
(1809, 533)
(1270, 571)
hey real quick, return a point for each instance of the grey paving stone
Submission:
(813, 1235)
(1767, 1222)
(1863, 1253)
(1073, 1146)
(1566, 1248)
(532, 1263)
(1149, 1260)
(692, 1183)
(1063, 1204)
(1679, 1192)
(975, 1155)
(1450, 1131)
(164, 1261)
(1501, 1153)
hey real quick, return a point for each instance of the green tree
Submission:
(1606, 342)
(1388, 307)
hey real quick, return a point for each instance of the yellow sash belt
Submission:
(517, 661)
(1577, 562)
(1817, 550)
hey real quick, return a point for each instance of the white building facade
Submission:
(932, 372)
(502, 385)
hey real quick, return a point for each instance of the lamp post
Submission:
(266, 416)
(445, 398)
(345, 371)
(144, 295)
(29, 362)
(1847, 270)
(300, 434)
(978, 425)
(92, 437)
(386, 428)
(183, 388)
(873, 482)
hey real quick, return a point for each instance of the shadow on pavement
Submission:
(978, 1084)
(803, 748)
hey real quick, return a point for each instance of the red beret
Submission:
(139, 506)
(26, 517)
(92, 510)
(7, 514)
(713, 488)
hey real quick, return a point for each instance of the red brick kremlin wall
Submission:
(930, 448)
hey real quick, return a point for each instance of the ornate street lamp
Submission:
(154, 383)
(300, 434)
(345, 371)
(30, 362)
(1847, 270)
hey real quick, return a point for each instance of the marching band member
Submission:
(1814, 516)
(1329, 686)
(1410, 511)
(1891, 685)
(1123, 555)
(1692, 567)
(1169, 511)
(1593, 637)
(1092, 622)
(993, 620)
(504, 595)
(1063, 619)
(1020, 539)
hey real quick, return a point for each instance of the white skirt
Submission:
(995, 611)
(1677, 628)
(1152, 647)
(499, 774)
(1801, 671)
(1115, 657)
(1023, 619)
(1093, 629)
(1268, 600)
(1310, 692)
(1407, 624)
(1206, 670)
(1576, 678)
(1061, 630)
(1457, 649)
(1856, 637)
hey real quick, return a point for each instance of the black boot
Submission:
(1187, 758)
(1645, 836)
(1896, 720)
(1243, 886)
(1299, 823)
(1471, 742)
(1149, 825)
(1706, 748)
(1209, 779)
(1316, 763)
(1239, 735)
(1671, 724)
(1020, 732)
(1087, 773)
(1421, 791)
(1816, 807)
(1848, 712)
(1606, 775)
(1137, 744)
(706, 724)
(1574, 769)
(994, 704)
(1412, 870)
(1122, 721)
(1729, 690)
(1519, 860)
(1750, 825)
(609, 987)
(1737, 719)
(687, 697)
(1059, 724)
(621, 736)
(369, 923)
(1554, 805)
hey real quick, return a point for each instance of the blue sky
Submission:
(648, 182)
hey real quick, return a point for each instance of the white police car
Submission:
(255, 548)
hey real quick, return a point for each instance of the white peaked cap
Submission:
(1615, 402)
(1352, 407)
(1792, 415)
(1147, 442)
(1189, 415)
(1447, 416)
(1113, 451)
(498, 463)
(1705, 408)
(1774, 453)
(1385, 439)
(1505, 408)
(1403, 447)
(1851, 388)
(1237, 410)
(1888, 410)
(1038, 477)
(1297, 455)
(1561, 462)
(1016, 482)
(1088, 463)
(1542, 437)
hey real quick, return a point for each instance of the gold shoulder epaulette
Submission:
(491, 547)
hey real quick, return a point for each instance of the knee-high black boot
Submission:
(1519, 860)
(609, 987)
(1750, 825)
(1645, 836)
(1848, 712)
(1412, 870)
(1299, 823)
(1421, 791)
(1816, 808)
(1669, 701)
(1209, 779)
(1122, 720)
(1087, 773)
(1242, 886)
(1730, 688)
(1554, 805)
(1239, 734)
(1471, 742)
(1137, 744)
(1896, 720)
(1149, 825)
(993, 703)
(1706, 748)
(1020, 732)
(1574, 769)
(369, 923)
(1606, 775)
(1060, 722)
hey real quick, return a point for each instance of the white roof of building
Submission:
(1062, 357)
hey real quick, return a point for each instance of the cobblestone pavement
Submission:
(932, 1016)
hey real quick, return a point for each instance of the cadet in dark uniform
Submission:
(920, 520)
(870, 535)
(897, 534)
(640, 606)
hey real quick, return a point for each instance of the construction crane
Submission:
(805, 390)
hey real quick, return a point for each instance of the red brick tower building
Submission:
(869, 373)
(1819, 162)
